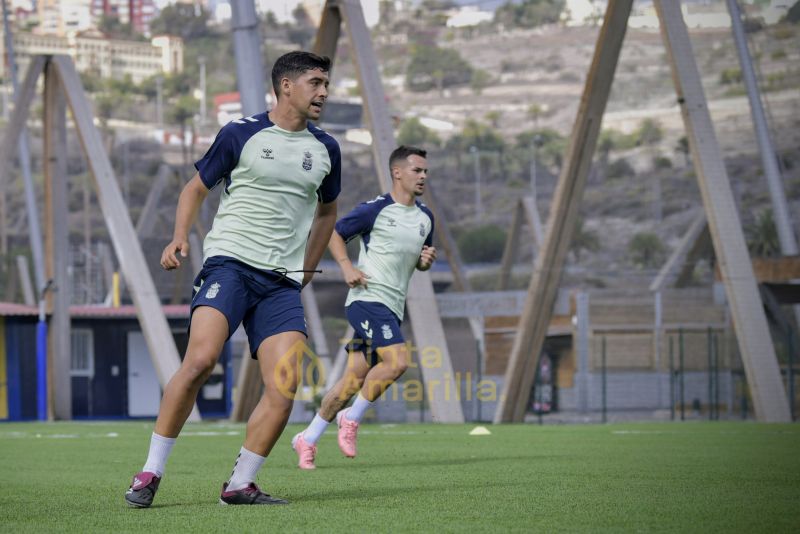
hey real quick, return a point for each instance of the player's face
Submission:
(308, 92)
(413, 174)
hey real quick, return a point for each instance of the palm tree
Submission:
(583, 239)
(535, 112)
(183, 110)
(646, 250)
(104, 104)
(762, 236)
(682, 146)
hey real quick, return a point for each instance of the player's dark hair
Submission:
(402, 152)
(294, 64)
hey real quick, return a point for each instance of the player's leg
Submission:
(344, 390)
(279, 358)
(305, 443)
(218, 305)
(206, 337)
(388, 357)
(275, 327)
(393, 363)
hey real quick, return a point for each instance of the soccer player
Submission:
(396, 233)
(280, 177)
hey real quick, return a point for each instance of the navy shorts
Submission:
(375, 326)
(267, 303)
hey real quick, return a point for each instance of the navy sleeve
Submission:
(223, 155)
(429, 239)
(429, 213)
(360, 220)
(220, 159)
(332, 183)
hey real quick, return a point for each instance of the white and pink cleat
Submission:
(305, 452)
(348, 431)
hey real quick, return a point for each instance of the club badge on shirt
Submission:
(307, 163)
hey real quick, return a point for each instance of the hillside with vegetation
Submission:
(521, 101)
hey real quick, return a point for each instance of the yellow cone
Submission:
(480, 431)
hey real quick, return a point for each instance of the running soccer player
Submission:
(396, 233)
(276, 171)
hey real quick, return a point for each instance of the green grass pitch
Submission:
(689, 477)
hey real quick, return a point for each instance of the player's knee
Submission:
(282, 396)
(349, 384)
(354, 383)
(199, 366)
(399, 362)
(286, 383)
(281, 400)
(400, 367)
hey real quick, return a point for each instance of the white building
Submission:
(468, 16)
(700, 15)
(583, 12)
(93, 52)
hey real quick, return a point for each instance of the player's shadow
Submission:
(332, 494)
(441, 461)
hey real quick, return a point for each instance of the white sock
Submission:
(160, 447)
(357, 410)
(315, 430)
(245, 469)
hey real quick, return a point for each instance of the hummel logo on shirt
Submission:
(392, 223)
(243, 119)
(266, 153)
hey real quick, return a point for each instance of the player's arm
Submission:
(426, 258)
(192, 196)
(318, 238)
(353, 276)
(428, 254)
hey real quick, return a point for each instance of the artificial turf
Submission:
(679, 477)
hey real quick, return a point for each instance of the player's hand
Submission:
(307, 276)
(169, 258)
(427, 257)
(354, 276)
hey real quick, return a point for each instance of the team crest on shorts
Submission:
(387, 331)
(213, 290)
(307, 163)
